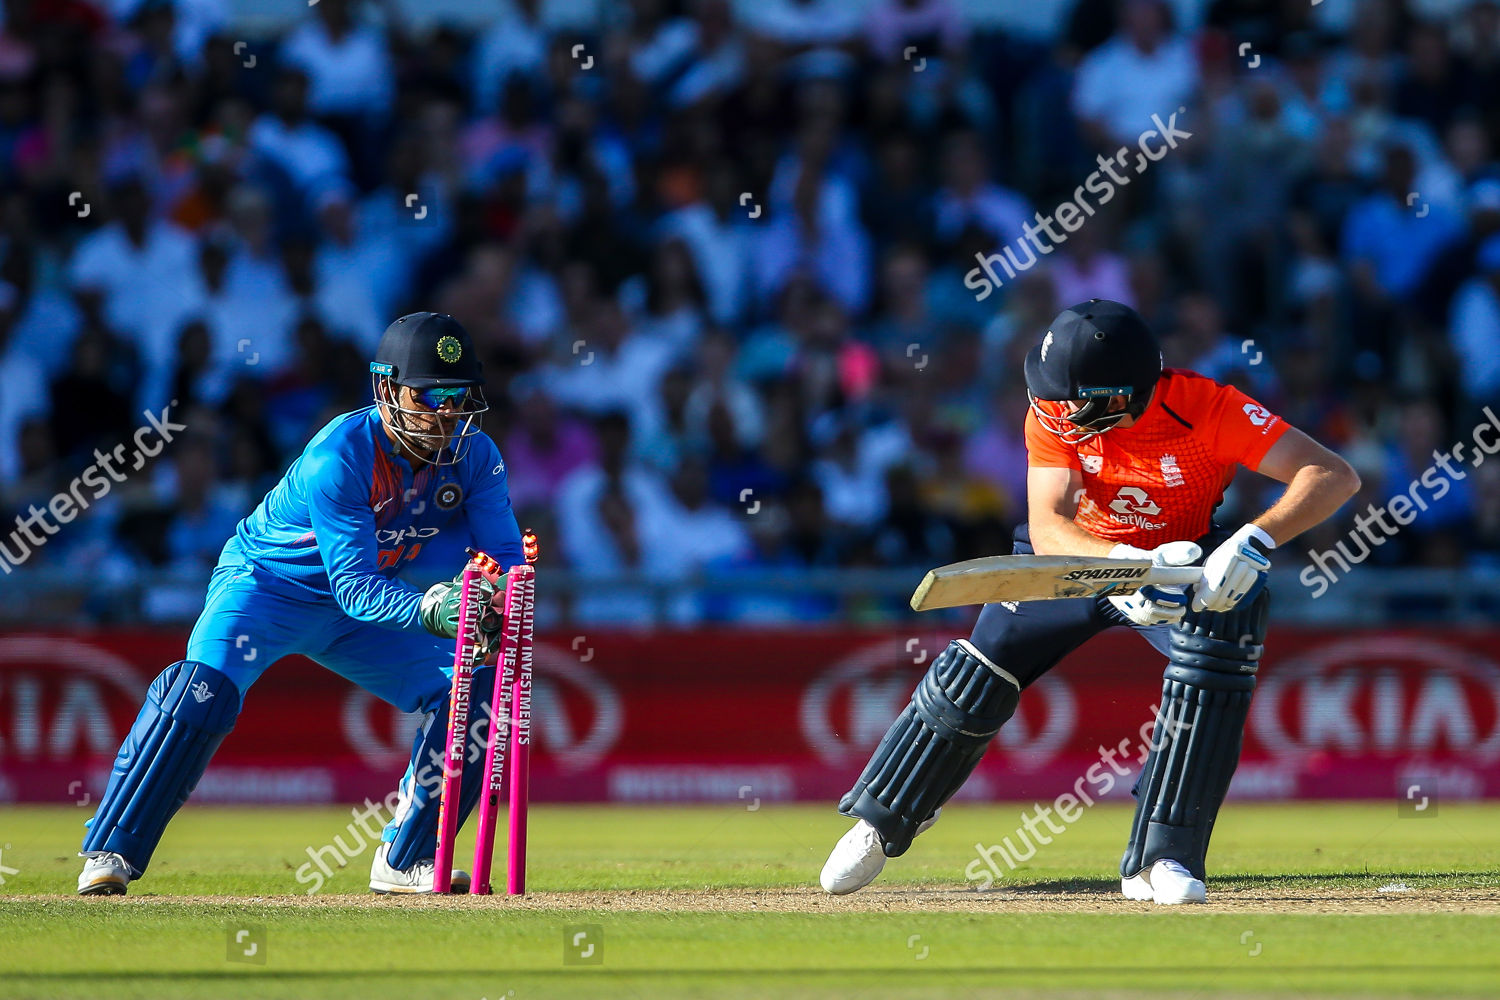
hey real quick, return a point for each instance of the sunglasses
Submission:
(433, 399)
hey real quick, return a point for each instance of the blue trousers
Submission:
(249, 621)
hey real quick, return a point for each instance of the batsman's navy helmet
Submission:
(427, 350)
(1094, 351)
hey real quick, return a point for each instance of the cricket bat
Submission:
(993, 579)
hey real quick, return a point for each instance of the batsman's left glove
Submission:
(1157, 604)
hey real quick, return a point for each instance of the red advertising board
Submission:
(777, 715)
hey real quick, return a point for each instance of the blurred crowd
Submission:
(714, 258)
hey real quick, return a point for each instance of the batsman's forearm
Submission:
(1313, 495)
(1061, 536)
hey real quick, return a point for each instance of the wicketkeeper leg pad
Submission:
(189, 709)
(934, 744)
(1195, 745)
(412, 832)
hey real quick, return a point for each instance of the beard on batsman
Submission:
(1125, 459)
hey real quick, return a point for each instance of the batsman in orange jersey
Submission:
(1127, 460)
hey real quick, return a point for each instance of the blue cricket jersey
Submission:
(350, 513)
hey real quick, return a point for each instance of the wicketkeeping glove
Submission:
(441, 606)
(1234, 571)
(1157, 604)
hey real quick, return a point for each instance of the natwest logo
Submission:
(1383, 695)
(1132, 505)
(1257, 414)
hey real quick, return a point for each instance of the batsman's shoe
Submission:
(104, 875)
(858, 857)
(1166, 883)
(418, 878)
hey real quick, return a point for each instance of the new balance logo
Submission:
(200, 691)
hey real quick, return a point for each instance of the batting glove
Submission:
(1157, 604)
(1235, 571)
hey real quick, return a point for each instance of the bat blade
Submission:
(1040, 578)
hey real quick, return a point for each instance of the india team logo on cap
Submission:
(449, 349)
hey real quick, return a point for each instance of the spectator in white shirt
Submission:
(1143, 70)
(343, 301)
(702, 535)
(611, 515)
(350, 256)
(304, 154)
(142, 271)
(611, 367)
(347, 65)
(815, 227)
(717, 387)
(714, 230)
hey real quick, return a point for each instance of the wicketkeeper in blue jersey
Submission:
(313, 570)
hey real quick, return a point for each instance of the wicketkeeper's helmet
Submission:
(431, 354)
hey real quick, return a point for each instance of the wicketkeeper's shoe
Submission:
(104, 875)
(1166, 883)
(417, 878)
(858, 857)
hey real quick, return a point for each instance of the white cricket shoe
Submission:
(1166, 883)
(103, 875)
(418, 878)
(858, 857)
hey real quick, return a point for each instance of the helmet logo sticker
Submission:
(449, 350)
(1046, 343)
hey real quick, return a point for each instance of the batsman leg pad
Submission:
(189, 709)
(412, 832)
(1195, 745)
(933, 746)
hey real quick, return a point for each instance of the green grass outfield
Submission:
(721, 901)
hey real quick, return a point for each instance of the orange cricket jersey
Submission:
(1160, 479)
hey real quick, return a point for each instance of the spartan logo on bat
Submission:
(1107, 573)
